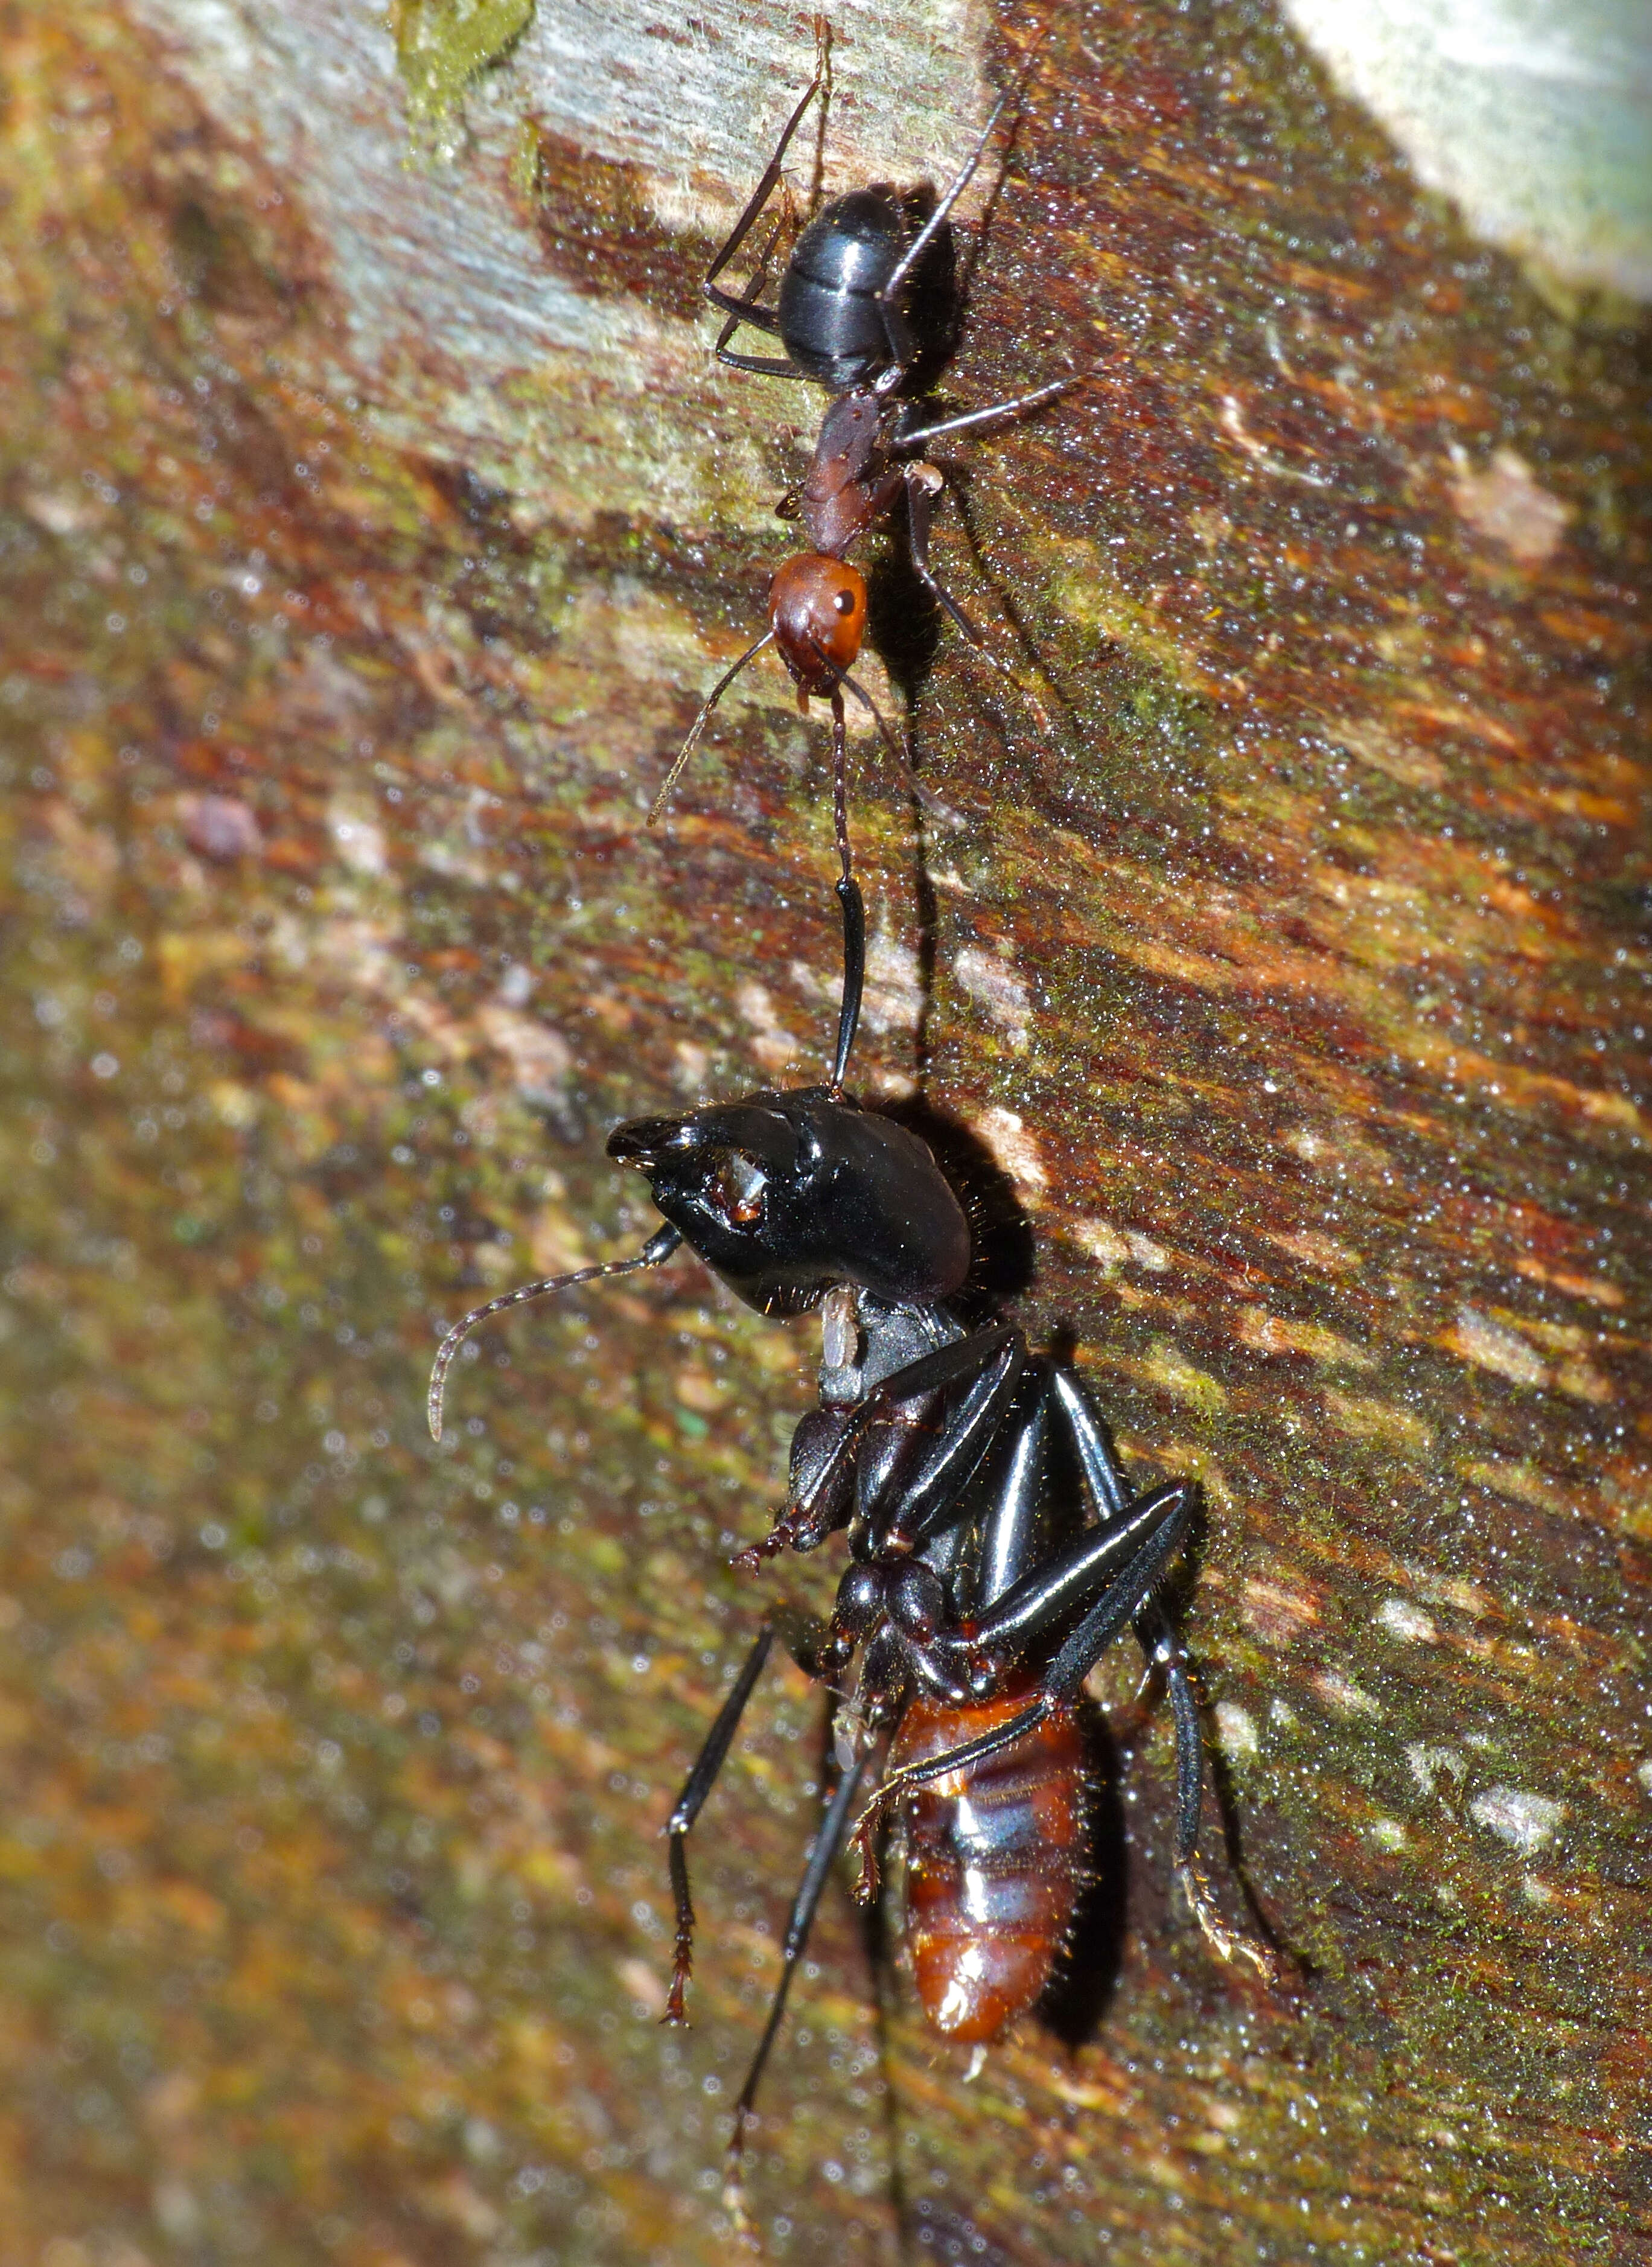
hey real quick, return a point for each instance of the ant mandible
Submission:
(979, 1594)
(868, 306)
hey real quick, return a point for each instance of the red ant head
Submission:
(816, 608)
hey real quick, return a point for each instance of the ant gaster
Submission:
(868, 306)
(976, 1600)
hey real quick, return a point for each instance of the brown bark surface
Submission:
(373, 517)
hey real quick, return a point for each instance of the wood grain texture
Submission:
(371, 529)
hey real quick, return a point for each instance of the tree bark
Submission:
(375, 517)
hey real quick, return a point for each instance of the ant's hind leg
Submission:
(741, 307)
(1110, 1496)
(889, 298)
(1089, 1575)
(746, 310)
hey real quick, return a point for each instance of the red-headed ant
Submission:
(868, 307)
(978, 1594)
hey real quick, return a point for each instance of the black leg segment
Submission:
(801, 1633)
(741, 308)
(817, 1872)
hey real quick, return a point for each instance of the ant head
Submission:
(786, 1195)
(817, 609)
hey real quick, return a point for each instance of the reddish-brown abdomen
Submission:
(995, 1860)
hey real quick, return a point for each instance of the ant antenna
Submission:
(893, 745)
(699, 723)
(659, 1246)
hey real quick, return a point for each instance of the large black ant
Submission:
(868, 307)
(975, 1602)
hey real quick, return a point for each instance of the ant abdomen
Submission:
(997, 1857)
(832, 316)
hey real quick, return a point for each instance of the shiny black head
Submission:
(786, 1195)
(832, 323)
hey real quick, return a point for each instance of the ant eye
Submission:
(736, 1189)
(845, 602)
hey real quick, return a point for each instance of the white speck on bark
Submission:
(1236, 1728)
(1524, 1822)
(1404, 1620)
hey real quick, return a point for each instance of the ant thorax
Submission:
(864, 1340)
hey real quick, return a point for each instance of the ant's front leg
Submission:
(820, 1490)
(921, 1483)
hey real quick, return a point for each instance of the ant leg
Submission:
(760, 365)
(742, 308)
(924, 488)
(824, 1849)
(696, 1788)
(1146, 1537)
(1162, 1650)
(699, 725)
(801, 1634)
(1015, 1519)
(1109, 1495)
(1018, 404)
(991, 1360)
(888, 298)
(659, 1246)
(848, 685)
(1034, 1605)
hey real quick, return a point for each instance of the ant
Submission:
(978, 1596)
(868, 306)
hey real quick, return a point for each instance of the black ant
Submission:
(975, 1602)
(868, 307)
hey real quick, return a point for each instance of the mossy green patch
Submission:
(443, 44)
